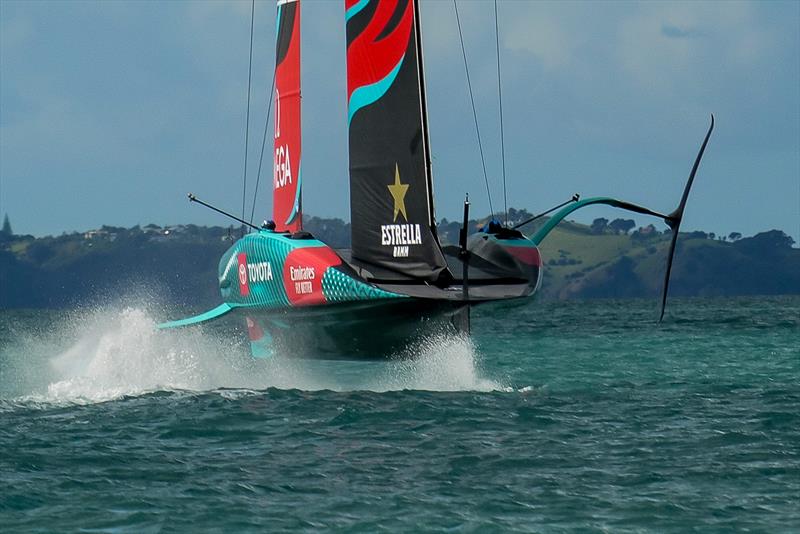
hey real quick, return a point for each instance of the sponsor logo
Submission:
(244, 286)
(251, 273)
(400, 236)
(302, 277)
(283, 169)
(259, 272)
(303, 272)
(398, 191)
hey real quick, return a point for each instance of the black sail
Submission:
(391, 197)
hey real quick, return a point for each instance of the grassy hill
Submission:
(582, 265)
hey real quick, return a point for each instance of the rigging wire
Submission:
(263, 144)
(474, 113)
(500, 100)
(247, 120)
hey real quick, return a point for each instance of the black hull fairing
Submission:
(353, 331)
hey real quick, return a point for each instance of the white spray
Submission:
(108, 354)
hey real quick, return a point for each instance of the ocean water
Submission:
(553, 417)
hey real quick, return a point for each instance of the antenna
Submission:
(193, 198)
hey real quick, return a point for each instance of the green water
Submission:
(555, 417)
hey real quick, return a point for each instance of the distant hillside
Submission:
(582, 265)
(74, 269)
(179, 263)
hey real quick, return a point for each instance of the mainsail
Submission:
(287, 201)
(391, 196)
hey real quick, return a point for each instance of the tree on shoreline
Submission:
(6, 230)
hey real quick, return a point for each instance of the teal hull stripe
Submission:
(368, 94)
(266, 294)
(355, 8)
(338, 287)
(269, 294)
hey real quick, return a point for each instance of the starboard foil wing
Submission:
(286, 192)
(391, 197)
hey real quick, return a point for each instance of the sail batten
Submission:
(391, 196)
(287, 179)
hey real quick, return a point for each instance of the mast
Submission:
(391, 189)
(423, 105)
(287, 181)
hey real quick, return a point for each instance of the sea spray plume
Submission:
(120, 353)
(439, 363)
(108, 353)
(93, 355)
(116, 352)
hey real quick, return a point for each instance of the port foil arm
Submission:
(204, 317)
(553, 221)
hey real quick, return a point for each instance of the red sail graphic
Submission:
(287, 207)
(372, 54)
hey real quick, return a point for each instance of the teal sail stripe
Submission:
(278, 23)
(368, 94)
(355, 8)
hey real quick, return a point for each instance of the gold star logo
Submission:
(398, 192)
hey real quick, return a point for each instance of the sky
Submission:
(110, 112)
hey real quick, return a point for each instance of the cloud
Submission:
(550, 33)
(662, 46)
(674, 32)
(544, 38)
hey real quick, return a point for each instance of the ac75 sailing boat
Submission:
(302, 298)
